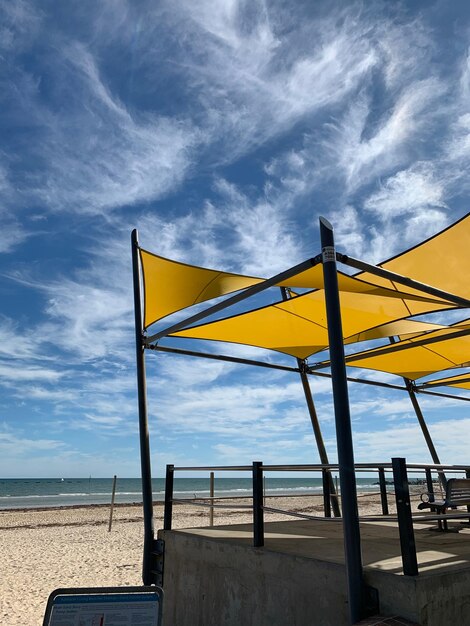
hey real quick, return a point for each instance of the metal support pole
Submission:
(467, 475)
(147, 499)
(326, 476)
(303, 372)
(258, 513)
(168, 512)
(429, 485)
(352, 539)
(111, 510)
(383, 491)
(405, 521)
(425, 430)
(211, 494)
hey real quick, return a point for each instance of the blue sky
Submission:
(221, 130)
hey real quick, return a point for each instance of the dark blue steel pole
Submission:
(149, 533)
(352, 539)
(258, 511)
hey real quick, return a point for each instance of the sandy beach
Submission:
(43, 549)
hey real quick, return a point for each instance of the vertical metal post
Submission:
(168, 512)
(467, 475)
(383, 491)
(258, 513)
(429, 485)
(113, 494)
(211, 494)
(347, 477)
(326, 476)
(405, 521)
(147, 500)
(301, 364)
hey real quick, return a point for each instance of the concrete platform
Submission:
(214, 577)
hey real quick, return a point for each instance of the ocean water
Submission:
(52, 492)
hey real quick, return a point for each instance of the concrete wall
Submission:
(432, 599)
(209, 582)
(214, 583)
(444, 599)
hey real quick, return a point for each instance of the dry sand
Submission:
(71, 547)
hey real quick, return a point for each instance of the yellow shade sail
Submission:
(170, 286)
(440, 261)
(462, 381)
(298, 326)
(400, 328)
(372, 285)
(279, 327)
(419, 356)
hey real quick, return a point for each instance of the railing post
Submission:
(467, 475)
(383, 491)
(326, 476)
(113, 495)
(258, 513)
(211, 494)
(168, 513)
(429, 485)
(405, 521)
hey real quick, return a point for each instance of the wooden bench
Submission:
(457, 494)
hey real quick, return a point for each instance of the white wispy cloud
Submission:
(225, 409)
(258, 235)
(17, 373)
(118, 157)
(88, 314)
(20, 24)
(407, 441)
(97, 155)
(23, 456)
(364, 155)
(11, 443)
(255, 78)
(409, 191)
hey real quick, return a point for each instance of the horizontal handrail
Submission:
(318, 467)
(212, 468)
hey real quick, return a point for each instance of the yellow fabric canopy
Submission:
(419, 356)
(298, 326)
(371, 307)
(440, 261)
(170, 286)
(461, 381)
(400, 328)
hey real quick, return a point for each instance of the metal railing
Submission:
(398, 468)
